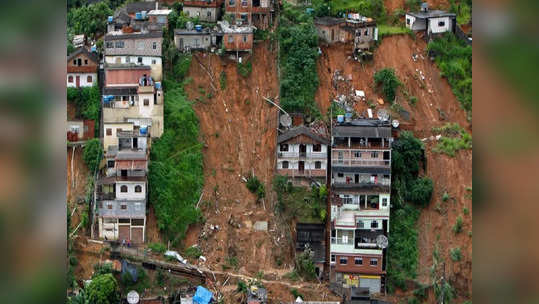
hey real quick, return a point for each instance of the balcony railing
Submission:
(384, 184)
(306, 172)
(362, 162)
(355, 145)
(133, 133)
(105, 196)
(146, 89)
(340, 241)
(320, 155)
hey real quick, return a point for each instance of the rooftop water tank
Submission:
(94, 49)
(111, 18)
(340, 118)
(138, 16)
(198, 28)
(143, 130)
(348, 116)
(158, 85)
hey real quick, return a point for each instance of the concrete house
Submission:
(82, 68)
(207, 11)
(121, 197)
(134, 98)
(186, 40)
(251, 12)
(360, 203)
(237, 38)
(79, 130)
(432, 22)
(363, 31)
(138, 48)
(302, 154)
(329, 29)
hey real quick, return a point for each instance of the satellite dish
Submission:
(285, 120)
(382, 114)
(395, 123)
(133, 297)
(382, 241)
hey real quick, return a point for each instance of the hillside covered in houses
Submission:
(263, 151)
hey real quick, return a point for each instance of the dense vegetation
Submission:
(175, 173)
(93, 152)
(389, 82)
(298, 54)
(463, 9)
(454, 58)
(370, 8)
(406, 186)
(256, 187)
(87, 102)
(90, 20)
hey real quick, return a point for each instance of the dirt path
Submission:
(436, 106)
(239, 131)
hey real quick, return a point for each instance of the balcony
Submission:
(100, 196)
(146, 89)
(380, 185)
(302, 173)
(320, 155)
(361, 145)
(358, 162)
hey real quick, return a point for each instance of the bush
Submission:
(304, 265)
(420, 191)
(103, 290)
(244, 69)
(102, 268)
(255, 186)
(222, 80)
(455, 254)
(93, 152)
(90, 20)
(87, 103)
(458, 225)
(193, 252)
(157, 247)
(389, 82)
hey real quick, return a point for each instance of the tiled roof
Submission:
(83, 50)
(301, 130)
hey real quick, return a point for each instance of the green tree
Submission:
(90, 20)
(103, 290)
(389, 82)
(93, 152)
(420, 191)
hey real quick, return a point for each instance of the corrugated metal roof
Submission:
(362, 131)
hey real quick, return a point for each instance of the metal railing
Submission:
(340, 241)
(361, 162)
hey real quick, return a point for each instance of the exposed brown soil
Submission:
(436, 106)
(392, 5)
(77, 177)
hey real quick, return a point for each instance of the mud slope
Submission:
(239, 131)
(392, 5)
(436, 106)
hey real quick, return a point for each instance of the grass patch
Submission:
(388, 81)
(222, 80)
(457, 228)
(193, 252)
(455, 254)
(454, 138)
(385, 30)
(245, 69)
(157, 247)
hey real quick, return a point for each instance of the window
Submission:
(360, 224)
(384, 202)
(85, 61)
(374, 154)
(74, 61)
(244, 38)
(138, 188)
(366, 32)
(124, 221)
(333, 258)
(123, 188)
(374, 262)
(317, 148)
(285, 164)
(109, 132)
(209, 14)
(89, 79)
(441, 23)
(110, 164)
(137, 222)
(230, 39)
(374, 224)
(407, 21)
(109, 206)
(284, 147)
(244, 17)
(358, 261)
(127, 59)
(357, 154)
(109, 45)
(146, 102)
(140, 45)
(119, 44)
(154, 61)
(123, 207)
(139, 60)
(347, 200)
(70, 79)
(154, 45)
(318, 165)
(340, 175)
(343, 260)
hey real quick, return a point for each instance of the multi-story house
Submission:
(302, 154)
(237, 38)
(251, 12)
(135, 49)
(131, 96)
(204, 10)
(360, 203)
(82, 68)
(121, 196)
(432, 22)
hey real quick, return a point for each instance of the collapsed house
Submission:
(230, 38)
(312, 237)
(431, 22)
(360, 203)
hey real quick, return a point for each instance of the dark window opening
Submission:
(343, 261)
(318, 165)
(123, 188)
(374, 262)
(285, 165)
(284, 147)
(358, 261)
(317, 148)
(110, 164)
(138, 188)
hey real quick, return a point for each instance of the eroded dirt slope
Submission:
(239, 131)
(392, 5)
(436, 106)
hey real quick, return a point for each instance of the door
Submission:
(124, 173)
(302, 150)
(135, 143)
(123, 233)
(371, 282)
(301, 166)
(181, 43)
(137, 235)
(356, 178)
(77, 81)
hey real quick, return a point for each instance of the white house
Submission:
(433, 22)
(82, 68)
